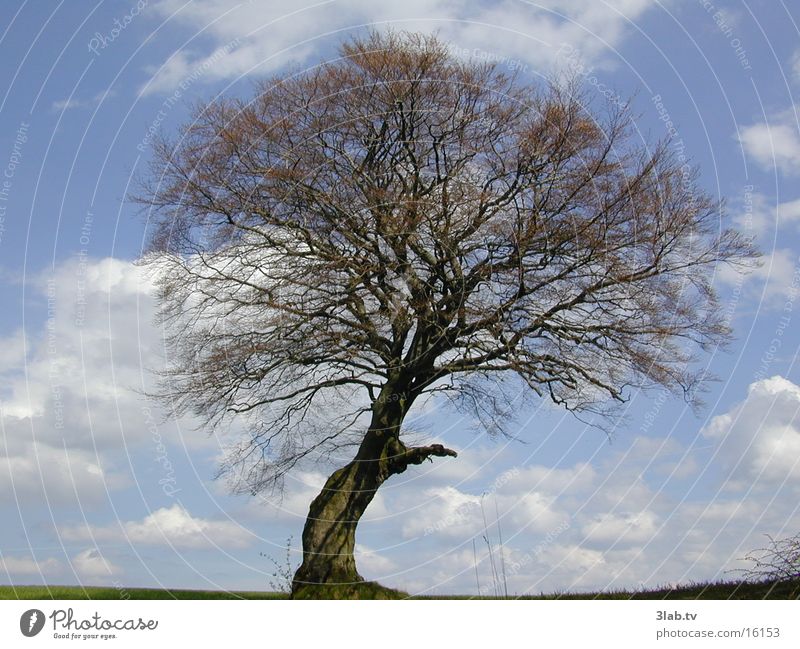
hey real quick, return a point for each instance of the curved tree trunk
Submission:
(330, 529)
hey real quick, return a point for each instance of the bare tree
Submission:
(398, 223)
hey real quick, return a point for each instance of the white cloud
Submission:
(29, 566)
(91, 352)
(447, 511)
(759, 439)
(768, 285)
(269, 33)
(594, 523)
(789, 212)
(626, 519)
(40, 473)
(756, 216)
(776, 143)
(763, 216)
(771, 283)
(74, 102)
(532, 512)
(794, 64)
(173, 526)
(581, 558)
(12, 353)
(553, 480)
(372, 561)
(622, 528)
(722, 511)
(90, 564)
(71, 408)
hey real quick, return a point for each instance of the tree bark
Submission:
(329, 532)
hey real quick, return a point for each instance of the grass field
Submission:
(718, 590)
(92, 592)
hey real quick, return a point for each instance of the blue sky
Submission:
(96, 487)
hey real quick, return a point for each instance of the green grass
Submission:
(717, 590)
(92, 592)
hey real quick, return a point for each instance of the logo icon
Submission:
(31, 622)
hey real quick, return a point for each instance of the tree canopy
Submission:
(397, 222)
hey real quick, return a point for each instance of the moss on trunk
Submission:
(361, 590)
(329, 534)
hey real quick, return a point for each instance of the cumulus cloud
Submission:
(789, 212)
(13, 566)
(172, 526)
(88, 355)
(446, 510)
(761, 216)
(373, 562)
(602, 522)
(90, 564)
(630, 517)
(71, 404)
(759, 439)
(37, 472)
(633, 527)
(769, 285)
(263, 35)
(774, 144)
(765, 219)
(552, 480)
